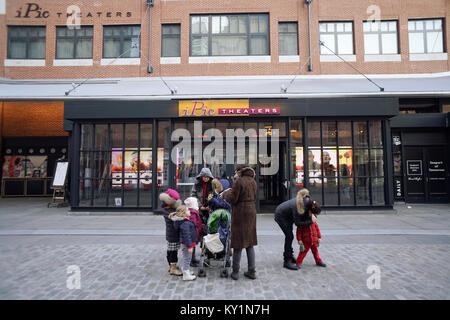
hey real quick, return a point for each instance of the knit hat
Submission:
(171, 198)
(191, 203)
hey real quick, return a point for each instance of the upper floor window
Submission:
(170, 42)
(380, 37)
(338, 36)
(230, 35)
(26, 42)
(425, 36)
(121, 41)
(74, 43)
(288, 38)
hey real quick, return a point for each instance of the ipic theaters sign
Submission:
(217, 108)
(41, 10)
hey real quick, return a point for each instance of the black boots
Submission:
(235, 275)
(290, 263)
(251, 274)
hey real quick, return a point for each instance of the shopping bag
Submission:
(213, 243)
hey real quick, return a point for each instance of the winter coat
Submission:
(172, 235)
(216, 203)
(310, 234)
(197, 220)
(242, 198)
(186, 230)
(293, 211)
(197, 188)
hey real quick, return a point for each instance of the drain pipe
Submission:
(150, 5)
(308, 2)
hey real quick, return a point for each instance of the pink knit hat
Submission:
(173, 194)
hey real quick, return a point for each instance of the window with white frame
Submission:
(121, 41)
(26, 42)
(288, 38)
(74, 43)
(380, 37)
(338, 36)
(230, 35)
(426, 36)
(170, 44)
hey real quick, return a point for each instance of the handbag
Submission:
(213, 243)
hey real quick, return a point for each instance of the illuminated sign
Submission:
(217, 108)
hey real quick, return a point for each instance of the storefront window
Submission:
(115, 166)
(345, 167)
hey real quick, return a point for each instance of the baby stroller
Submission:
(215, 246)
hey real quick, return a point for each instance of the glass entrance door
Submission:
(273, 189)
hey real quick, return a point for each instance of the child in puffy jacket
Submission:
(192, 204)
(170, 201)
(188, 238)
(309, 237)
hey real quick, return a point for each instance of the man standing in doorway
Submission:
(290, 212)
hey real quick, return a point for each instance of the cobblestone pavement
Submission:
(123, 267)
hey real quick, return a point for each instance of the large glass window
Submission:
(230, 35)
(74, 43)
(338, 36)
(26, 42)
(121, 41)
(170, 43)
(380, 37)
(288, 38)
(345, 162)
(426, 36)
(116, 165)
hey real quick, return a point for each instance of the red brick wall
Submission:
(177, 11)
(32, 119)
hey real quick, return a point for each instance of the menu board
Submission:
(59, 179)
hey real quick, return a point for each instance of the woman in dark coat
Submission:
(242, 198)
(202, 189)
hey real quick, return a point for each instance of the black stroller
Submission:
(215, 245)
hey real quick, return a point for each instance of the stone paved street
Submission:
(413, 260)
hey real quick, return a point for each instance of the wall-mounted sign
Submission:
(217, 108)
(398, 187)
(436, 166)
(32, 10)
(414, 167)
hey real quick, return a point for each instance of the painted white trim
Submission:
(428, 56)
(121, 61)
(72, 62)
(382, 57)
(289, 59)
(170, 60)
(231, 59)
(24, 62)
(333, 58)
(2, 6)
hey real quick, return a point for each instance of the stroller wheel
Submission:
(224, 273)
(206, 263)
(201, 273)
